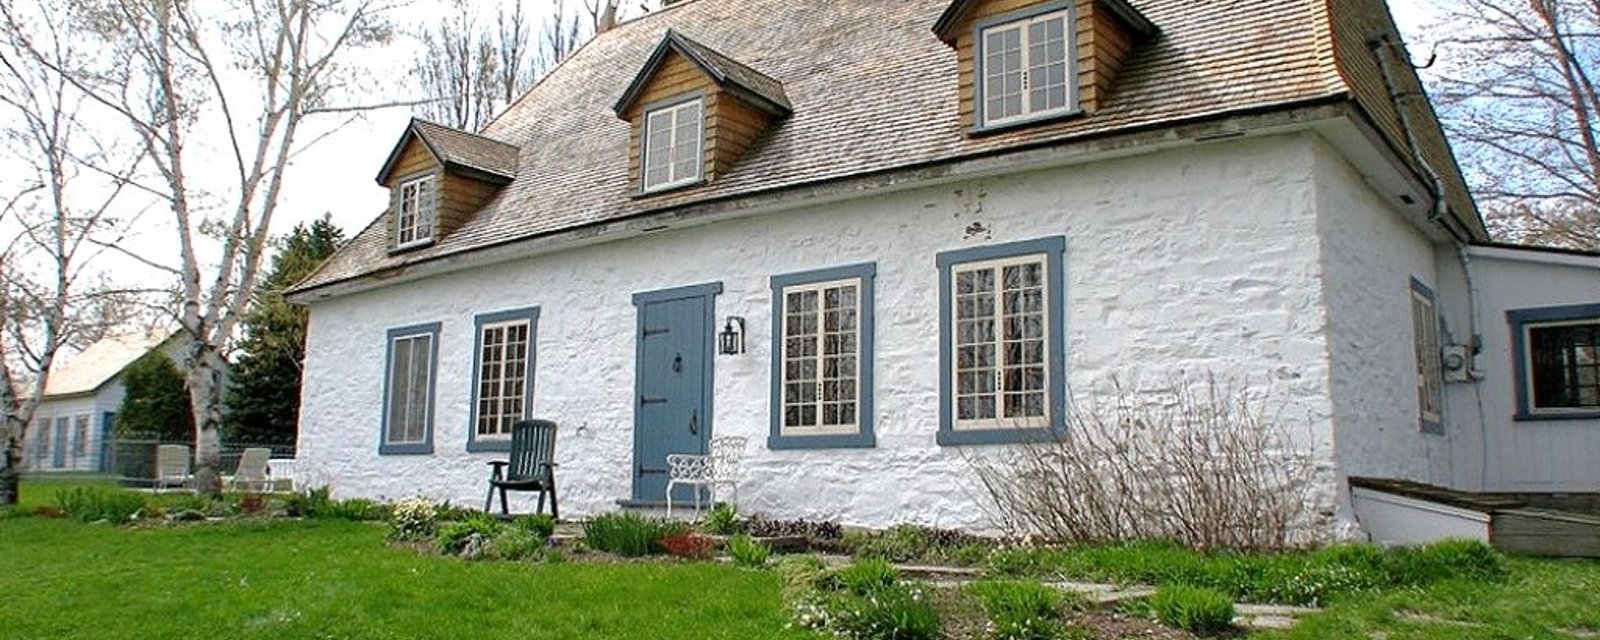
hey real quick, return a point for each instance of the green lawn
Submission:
(334, 579)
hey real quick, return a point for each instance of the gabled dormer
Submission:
(1027, 61)
(438, 178)
(693, 113)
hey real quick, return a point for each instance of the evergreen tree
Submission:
(263, 402)
(156, 400)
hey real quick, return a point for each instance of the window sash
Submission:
(410, 378)
(503, 373)
(1562, 365)
(1430, 376)
(820, 358)
(1025, 68)
(673, 153)
(1000, 343)
(80, 435)
(415, 211)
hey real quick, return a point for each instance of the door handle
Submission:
(694, 423)
(677, 363)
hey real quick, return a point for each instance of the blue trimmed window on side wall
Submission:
(504, 360)
(1556, 359)
(822, 344)
(1002, 343)
(408, 390)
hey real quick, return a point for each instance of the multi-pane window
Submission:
(1563, 362)
(1024, 68)
(80, 435)
(1430, 378)
(408, 410)
(503, 350)
(821, 364)
(672, 145)
(415, 212)
(1000, 344)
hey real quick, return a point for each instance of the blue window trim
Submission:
(980, 118)
(411, 448)
(531, 314)
(1432, 427)
(865, 437)
(1054, 250)
(1518, 319)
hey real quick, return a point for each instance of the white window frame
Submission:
(1000, 421)
(981, 77)
(1528, 370)
(500, 398)
(673, 112)
(416, 211)
(820, 428)
(80, 434)
(391, 430)
(1430, 373)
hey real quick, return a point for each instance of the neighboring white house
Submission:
(933, 221)
(75, 419)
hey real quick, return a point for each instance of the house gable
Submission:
(464, 172)
(738, 104)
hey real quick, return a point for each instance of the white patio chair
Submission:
(251, 475)
(172, 466)
(720, 468)
(281, 474)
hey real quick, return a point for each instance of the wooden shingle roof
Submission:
(873, 89)
(457, 149)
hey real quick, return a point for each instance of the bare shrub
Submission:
(1202, 463)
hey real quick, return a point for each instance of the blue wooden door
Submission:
(673, 404)
(60, 454)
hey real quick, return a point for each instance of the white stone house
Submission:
(933, 221)
(76, 416)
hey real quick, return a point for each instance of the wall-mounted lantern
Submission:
(731, 340)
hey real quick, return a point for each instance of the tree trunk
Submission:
(11, 470)
(205, 394)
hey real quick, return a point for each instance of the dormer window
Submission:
(416, 213)
(673, 141)
(1024, 67)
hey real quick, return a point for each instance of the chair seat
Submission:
(519, 483)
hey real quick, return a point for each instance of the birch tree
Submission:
(49, 297)
(1519, 100)
(224, 87)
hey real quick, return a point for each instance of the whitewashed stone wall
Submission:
(1203, 259)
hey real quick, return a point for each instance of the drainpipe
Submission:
(1452, 227)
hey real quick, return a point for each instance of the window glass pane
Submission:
(399, 388)
(1565, 365)
(504, 373)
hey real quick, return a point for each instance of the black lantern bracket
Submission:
(731, 340)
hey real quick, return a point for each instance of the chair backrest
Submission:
(253, 464)
(172, 460)
(533, 444)
(726, 452)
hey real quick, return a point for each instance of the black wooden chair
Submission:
(532, 466)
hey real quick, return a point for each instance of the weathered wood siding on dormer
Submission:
(458, 197)
(1103, 44)
(731, 125)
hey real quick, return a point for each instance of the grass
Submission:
(331, 579)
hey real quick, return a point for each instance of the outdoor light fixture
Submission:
(731, 340)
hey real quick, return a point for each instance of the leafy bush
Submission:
(760, 527)
(453, 536)
(311, 503)
(747, 552)
(723, 519)
(93, 504)
(687, 544)
(514, 543)
(866, 576)
(413, 518)
(1020, 610)
(628, 534)
(1193, 608)
(540, 525)
(801, 574)
(896, 612)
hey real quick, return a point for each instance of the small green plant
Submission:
(1020, 609)
(413, 518)
(801, 574)
(358, 510)
(723, 519)
(898, 612)
(1193, 608)
(866, 576)
(453, 536)
(541, 525)
(746, 552)
(628, 534)
(94, 504)
(515, 543)
(312, 503)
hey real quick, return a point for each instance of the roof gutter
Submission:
(1033, 156)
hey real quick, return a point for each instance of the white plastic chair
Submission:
(281, 474)
(172, 466)
(720, 468)
(251, 475)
